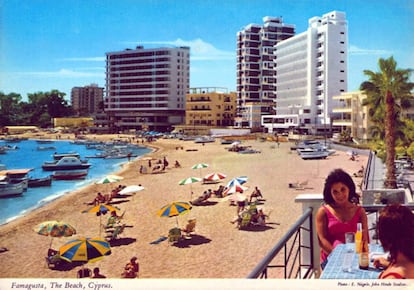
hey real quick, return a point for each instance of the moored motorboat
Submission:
(58, 156)
(8, 189)
(70, 174)
(42, 148)
(65, 163)
(38, 182)
(314, 155)
(16, 176)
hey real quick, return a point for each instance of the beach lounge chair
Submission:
(119, 229)
(299, 185)
(245, 220)
(174, 235)
(53, 259)
(190, 227)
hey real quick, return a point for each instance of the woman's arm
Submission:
(322, 231)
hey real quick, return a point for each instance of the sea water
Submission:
(28, 156)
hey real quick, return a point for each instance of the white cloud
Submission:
(62, 73)
(199, 49)
(355, 50)
(92, 59)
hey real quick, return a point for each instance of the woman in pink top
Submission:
(340, 213)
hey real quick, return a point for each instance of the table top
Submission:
(334, 266)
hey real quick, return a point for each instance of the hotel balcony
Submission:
(296, 255)
(342, 122)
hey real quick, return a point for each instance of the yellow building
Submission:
(353, 116)
(210, 107)
(73, 122)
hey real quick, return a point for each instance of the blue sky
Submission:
(48, 44)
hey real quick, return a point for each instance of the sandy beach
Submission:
(217, 249)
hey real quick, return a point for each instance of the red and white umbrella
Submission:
(234, 189)
(215, 176)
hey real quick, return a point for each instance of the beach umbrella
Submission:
(55, 229)
(190, 181)
(215, 176)
(199, 166)
(237, 181)
(174, 209)
(235, 188)
(109, 179)
(131, 189)
(100, 210)
(85, 250)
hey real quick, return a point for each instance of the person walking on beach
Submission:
(340, 214)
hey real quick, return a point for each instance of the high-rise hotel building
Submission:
(146, 88)
(87, 100)
(256, 74)
(311, 69)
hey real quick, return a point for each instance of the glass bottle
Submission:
(358, 238)
(364, 256)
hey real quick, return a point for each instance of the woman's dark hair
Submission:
(338, 175)
(396, 230)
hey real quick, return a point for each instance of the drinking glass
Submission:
(349, 252)
(349, 241)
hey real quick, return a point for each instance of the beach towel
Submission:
(158, 240)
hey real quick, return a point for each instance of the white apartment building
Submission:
(146, 88)
(256, 76)
(311, 68)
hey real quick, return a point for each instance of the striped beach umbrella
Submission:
(199, 166)
(85, 250)
(235, 188)
(174, 209)
(190, 181)
(237, 181)
(215, 176)
(100, 210)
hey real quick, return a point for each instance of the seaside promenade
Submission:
(217, 249)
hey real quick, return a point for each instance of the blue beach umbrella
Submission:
(237, 181)
(85, 250)
(174, 209)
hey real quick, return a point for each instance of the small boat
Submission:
(58, 156)
(8, 189)
(44, 141)
(15, 176)
(204, 139)
(314, 155)
(38, 182)
(98, 155)
(42, 148)
(70, 174)
(120, 155)
(65, 163)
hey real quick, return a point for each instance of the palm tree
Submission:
(387, 92)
